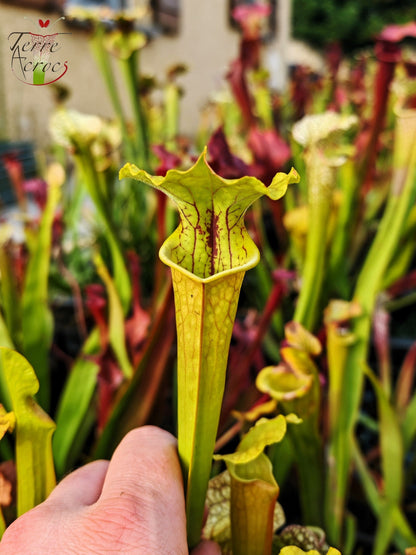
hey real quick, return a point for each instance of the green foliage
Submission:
(353, 23)
(34, 428)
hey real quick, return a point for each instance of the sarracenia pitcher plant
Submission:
(208, 254)
(321, 136)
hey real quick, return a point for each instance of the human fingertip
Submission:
(148, 435)
(144, 483)
(80, 488)
(207, 547)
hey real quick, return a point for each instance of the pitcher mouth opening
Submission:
(251, 262)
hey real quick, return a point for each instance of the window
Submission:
(113, 4)
(166, 15)
(44, 5)
(163, 15)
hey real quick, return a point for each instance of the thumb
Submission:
(144, 484)
(80, 488)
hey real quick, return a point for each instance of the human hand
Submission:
(133, 504)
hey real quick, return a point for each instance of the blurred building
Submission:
(196, 33)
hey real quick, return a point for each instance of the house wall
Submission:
(205, 43)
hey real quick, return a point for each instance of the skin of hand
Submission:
(132, 504)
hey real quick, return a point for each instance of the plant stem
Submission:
(402, 197)
(321, 179)
(309, 463)
(130, 71)
(202, 361)
(338, 264)
(104, 64)
(92, 181)
(171, 94)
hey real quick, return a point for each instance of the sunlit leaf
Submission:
(7, 421)
(122, 45)
(409, 423)
(34, 429)
(10, 325)
(116, 320)
(281, 383)
(300, 338)
(290, 550)
(256, 412)
(340, 312)
(37, 321)
(74, 403)
(265, 432)
(295, 377)
(391, 444)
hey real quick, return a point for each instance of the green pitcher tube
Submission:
(208, 255)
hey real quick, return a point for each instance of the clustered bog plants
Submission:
(281, 386)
